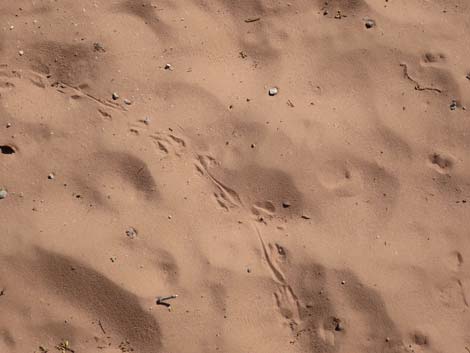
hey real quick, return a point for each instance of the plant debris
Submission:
(162, 301)
(253, 19)
(64, 347)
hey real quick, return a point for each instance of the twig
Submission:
(101, 326)
(162, 301)
(254, 19)
(417, 85)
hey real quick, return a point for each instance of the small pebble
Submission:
(21, 52)
(168, 67)
(453, 105)
(115, 96)
(338, 325)
(99, 47)
(147, 120)
(3, 194)
(8, 125)
(12, 27)
(273, 91)
(131, 232)
(127, 101)
(343, 282)
(248, 270)
(304, 216)
(468, 76)
(369, 23)
(51, 176)
(286, 204)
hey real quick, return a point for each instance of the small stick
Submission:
(249, 20)
(162, 301)
(101, 326)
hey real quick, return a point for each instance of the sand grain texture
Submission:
(332, 216)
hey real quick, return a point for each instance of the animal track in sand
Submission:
(431, 58)
(287, 303)
(303, 298)
(265, 208)
(340, 177)
(169, 143)
(253, 183)
(441, 162)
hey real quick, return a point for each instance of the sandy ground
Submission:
(333, 216)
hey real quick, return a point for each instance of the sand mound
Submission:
(297, 173)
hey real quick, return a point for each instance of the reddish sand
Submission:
(331, 217)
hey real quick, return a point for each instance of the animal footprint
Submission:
(224, 201)
(169, 143)
(441, 163)
(265, 208)
(433, 58)
(287, 303)
(341, 178)
(227, 195)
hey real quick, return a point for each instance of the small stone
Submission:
(131, 232)
(147, 120)
(12, 27)
(286, 204)
(369, 23)
(248, 270)
(8, 125)
(273, 91)
(453, 105)
(304, 216)
(168, 67)
(3, 194)
(51, 176)
(115, 96)
(127, 101)
(387, 339)
(21, 52)
(468, 76)
(99, 47)
(343, 282)
(338, 325)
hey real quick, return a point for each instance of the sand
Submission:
(145, 153)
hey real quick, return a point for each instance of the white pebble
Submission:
(3, 194)
(273, 91)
